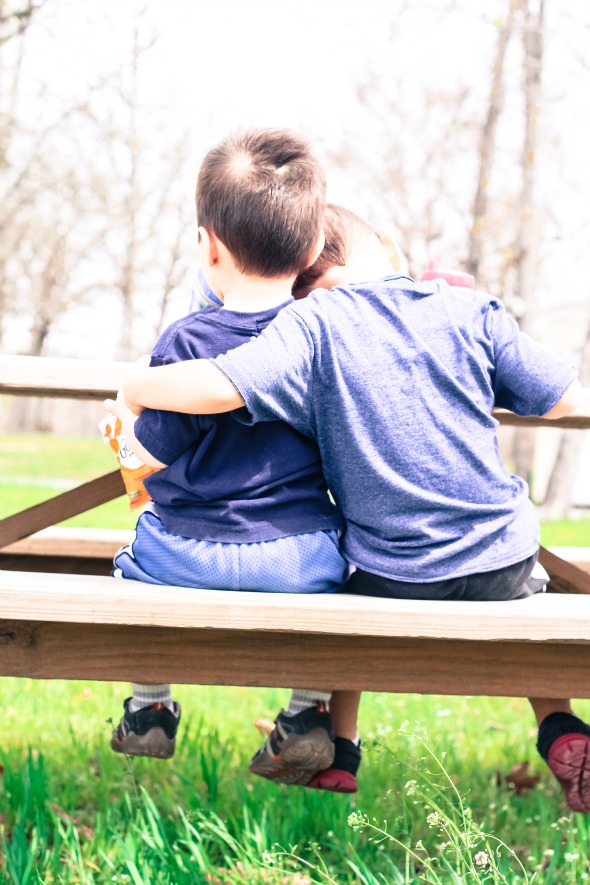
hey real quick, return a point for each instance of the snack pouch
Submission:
(133, 470)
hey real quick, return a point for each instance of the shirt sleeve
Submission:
(166, 435)
(274, 372)
(528, 379)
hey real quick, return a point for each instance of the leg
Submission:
(344, 707)
(341, 776)
(564, 744)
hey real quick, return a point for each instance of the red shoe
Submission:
(334, 780)
(569, 760)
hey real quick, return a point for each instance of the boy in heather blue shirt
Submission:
(396, 380)
(237, 507)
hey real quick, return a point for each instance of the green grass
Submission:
(71, 811)
(35, 467)
(85, 814)
(566, 533)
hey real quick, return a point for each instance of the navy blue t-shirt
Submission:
(226, 481)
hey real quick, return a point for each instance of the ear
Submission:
(208, 246)
(317, 248)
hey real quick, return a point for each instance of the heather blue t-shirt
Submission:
(226, 481)
(396, 380)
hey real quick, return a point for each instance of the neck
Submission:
(249, 294)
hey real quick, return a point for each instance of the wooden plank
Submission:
(566, 577)
(98, 379)
(235, 657)
(84, 599)
(71, 379)
(71, 503)
(71, 565)
(579, 422)
(79, 542)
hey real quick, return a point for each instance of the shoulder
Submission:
(182, 338)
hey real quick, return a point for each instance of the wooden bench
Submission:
(87, 626)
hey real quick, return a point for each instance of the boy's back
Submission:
(227, 481)
(404, 420)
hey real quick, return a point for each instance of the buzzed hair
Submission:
(262, 193)
(342, 228)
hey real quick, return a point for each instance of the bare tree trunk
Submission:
(487, 143)
(527, 235)
(560, 487)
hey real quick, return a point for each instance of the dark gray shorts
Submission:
(502, 584)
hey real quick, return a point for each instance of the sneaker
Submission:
(564, 743)
(569, 760)
(297, 747)
(341, 776)
(150, 731)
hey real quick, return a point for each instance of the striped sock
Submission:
(146, 695)
(304, 698)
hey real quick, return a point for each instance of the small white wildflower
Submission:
(357, 820)
(571, 856)
(549, 852)
(481, 859)
(267, 857)
(435, 820)
(410, 788)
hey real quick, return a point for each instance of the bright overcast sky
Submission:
(217, 65)
(250, 62)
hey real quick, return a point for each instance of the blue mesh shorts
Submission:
(306, 563)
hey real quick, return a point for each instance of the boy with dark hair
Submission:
(396, 380)
(237, 507)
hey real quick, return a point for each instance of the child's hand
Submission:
(127, 417)
(120, 408)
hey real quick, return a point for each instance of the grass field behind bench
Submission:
(33, 467)
(433, 799)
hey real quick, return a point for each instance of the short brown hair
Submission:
(262, 193)
(341, 228)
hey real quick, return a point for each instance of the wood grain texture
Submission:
(81, 599)
(236, 657)
(67, 378)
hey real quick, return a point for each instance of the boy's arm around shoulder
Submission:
(197, 387)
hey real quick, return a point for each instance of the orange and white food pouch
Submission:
(133, 470)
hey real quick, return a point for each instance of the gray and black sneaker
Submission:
(297, 747)
(150, 731)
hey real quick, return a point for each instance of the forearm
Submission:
(197, 387)
(575, 401)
